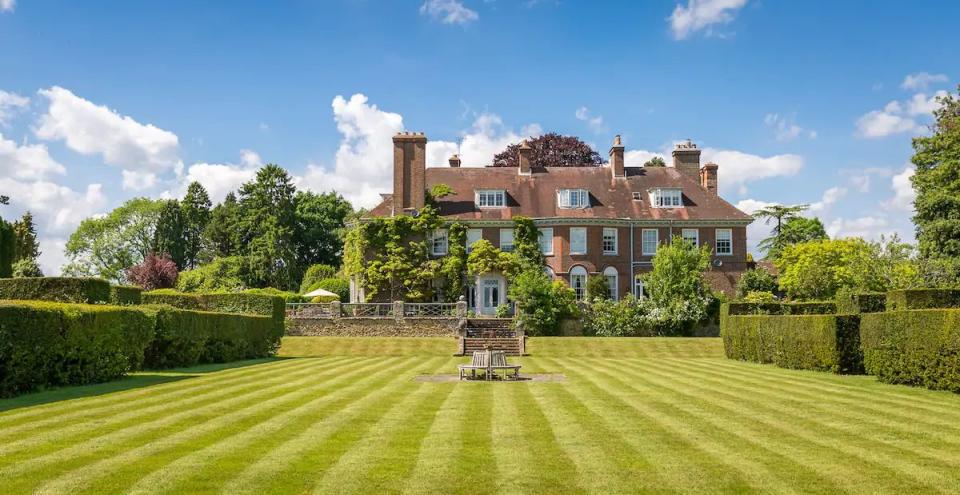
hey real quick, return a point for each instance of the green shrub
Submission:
(869, 302)
(338, 286)
(541, 304)
(756, 296)
(923, 299)
(623, 318)
(7, 243)
(230, 273)
(186, 337)
(324, 299)
(288, 297)
(755, 280)
(125, 295)
(315, 274)
(814, 342)
(597, 288)
(776, 308)
(914, 347)
(250, 303)
(57, 289)
(51, 344)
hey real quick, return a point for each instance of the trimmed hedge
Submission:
(914, 347)
(50, 344)
(923, 299)
(813, 342)
(775, 308)
(57, 289)
(868, 302)
(185, 337)
(224, 302)
(125, 295)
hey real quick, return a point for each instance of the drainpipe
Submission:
(633, 281)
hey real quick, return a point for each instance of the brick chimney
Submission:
(455, 161)
(686, 159)
(616, 158)
(708, 177)
(524, 157)
(409, 172)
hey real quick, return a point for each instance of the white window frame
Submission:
(637, 196)
(612, 277)
(579, 284)
(696, 236)
(490, 198)
(644, 240)
(729, 239)
(666, 197)
(573, 198)
(441, 236)
(638, 288)
(579, 231)
(610, 232)
(477, 233)
(506, 246)
(546, 241)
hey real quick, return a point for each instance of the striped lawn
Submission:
(344, 415)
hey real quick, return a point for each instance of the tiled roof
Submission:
(535, 195)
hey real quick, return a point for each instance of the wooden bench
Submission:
(489, 362)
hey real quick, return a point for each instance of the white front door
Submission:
(490, 296)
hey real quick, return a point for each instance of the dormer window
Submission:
(491, 198)
(662, 197)
(638, 196)
(573, 198)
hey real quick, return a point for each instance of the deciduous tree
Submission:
(551, 150)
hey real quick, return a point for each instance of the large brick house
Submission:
(605, 220)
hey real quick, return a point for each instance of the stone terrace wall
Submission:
(374, 327)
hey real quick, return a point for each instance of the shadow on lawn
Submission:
(132, 381)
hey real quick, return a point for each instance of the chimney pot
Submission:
(523, 158)
(455, 161)
(616, 158)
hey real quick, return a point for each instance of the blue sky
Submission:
(815, 102)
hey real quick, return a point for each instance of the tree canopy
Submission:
(793, 231)
(779, 214)
(551, 150)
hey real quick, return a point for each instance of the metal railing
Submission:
(376, 310)
(430, 309)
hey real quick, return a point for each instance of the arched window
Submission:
(613, 281)
(549, 271)
(578, 281)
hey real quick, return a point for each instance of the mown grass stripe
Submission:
(456, 456)
(96, 457)
(942, 414)
(708, 464)
(525, 446)
(111, 421)
(854, 431)
(295, 464)
(858, 412)
(188, 470)
(81, 409)
(615, 464)
(856, 458)
(389, 451)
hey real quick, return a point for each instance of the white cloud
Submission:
(702, 14)
(897, 117)
(363, 165)
(903, 193)
(448, 11)
(57, 208)
(594, 122)
(829, 198)
(921, 80)
(29, 161)
(738, 168)
(52, 255)
(7, 5)
(785, 129)
(867, 227)
(217, 178)
(138, 181)
(10, 103)
(90, 129)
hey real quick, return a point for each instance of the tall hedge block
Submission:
(225, 302)
(779, 308)
(125, 295)
(913, 347)
(814, 342)
(58, 289)
(923, 299)
(867, 302)
(44, 344)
